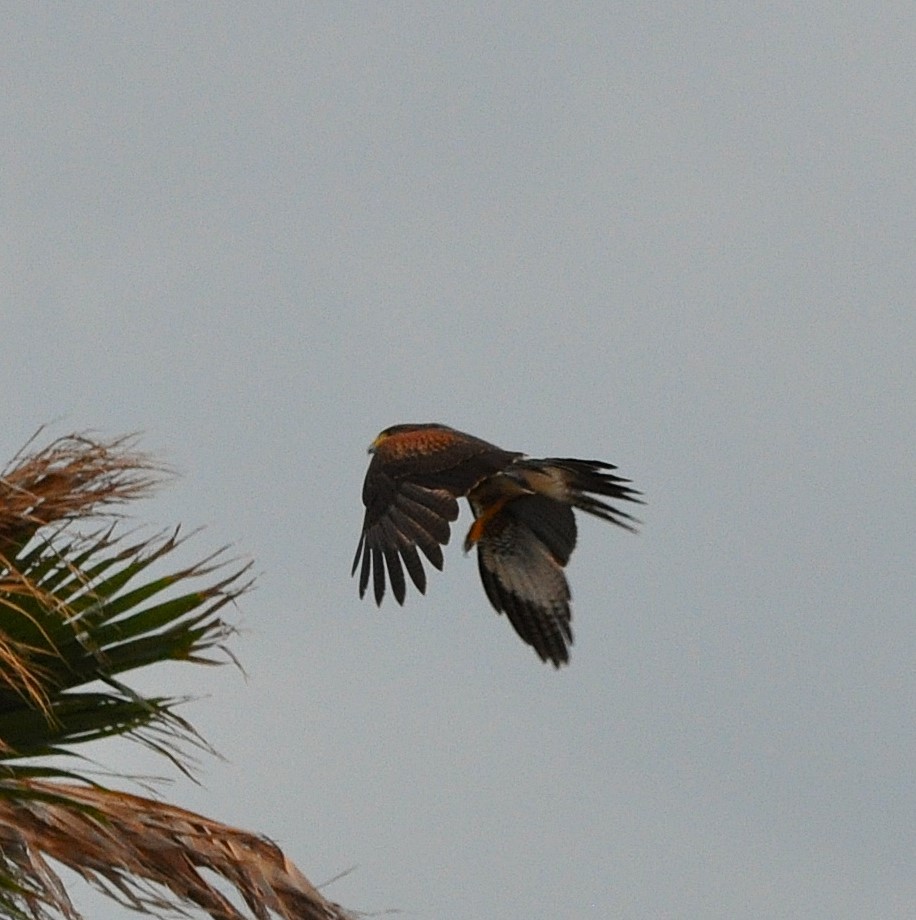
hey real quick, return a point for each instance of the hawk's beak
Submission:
(373, 447)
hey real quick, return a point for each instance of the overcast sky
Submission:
(678, 237)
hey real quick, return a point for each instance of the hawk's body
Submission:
(524, 527)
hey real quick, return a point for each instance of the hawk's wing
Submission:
(525, 531)
(521, 553)
(410, 492)
(401, 516)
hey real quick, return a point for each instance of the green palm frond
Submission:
(80, 613)
(80, 608)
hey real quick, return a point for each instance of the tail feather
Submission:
(585, 479)
(607, 512)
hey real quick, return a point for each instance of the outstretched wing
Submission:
(521, 552)
(411, 489)
(400, 517)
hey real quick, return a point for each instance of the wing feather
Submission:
(409, 523)
(390, 545)
(552, 523)
(523, 577)
(414, 566)
(364, 570)
(411, 493)
(378, 573)
(415, 534)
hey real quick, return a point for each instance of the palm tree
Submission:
(80, 607)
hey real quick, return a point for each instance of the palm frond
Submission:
(146, 854)
(77, 625)
(79, 609)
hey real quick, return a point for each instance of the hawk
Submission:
(524, 528)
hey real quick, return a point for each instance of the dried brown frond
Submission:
(147, 855)
(21, 674)
(74, 476)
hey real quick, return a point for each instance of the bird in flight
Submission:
(524, 528)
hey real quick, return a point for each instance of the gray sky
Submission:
(679, 237)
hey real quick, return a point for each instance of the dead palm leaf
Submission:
(147, 855)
